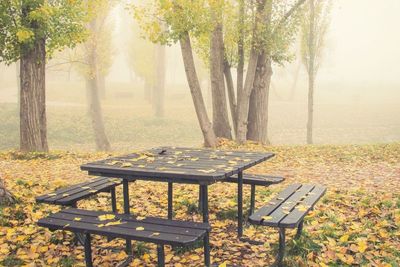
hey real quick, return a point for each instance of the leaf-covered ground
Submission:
(356, 223)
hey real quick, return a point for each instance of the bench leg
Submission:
(125, 189)
(281, 250)
(200, 198)
(160, 255)
(204, 201)
(299, 230)
(88, 251)
(113, 200)
(170, 199)
(252, 199)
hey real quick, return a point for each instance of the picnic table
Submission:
(180, 165)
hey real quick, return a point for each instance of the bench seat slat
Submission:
(273, 204)
(289, 207)
(296, 215)
(154, 220)
(256, 179)
(117, 232)
(72, 187)
(71, 194)
(148, 226)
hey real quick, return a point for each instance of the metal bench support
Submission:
(170, 199)
(299, 230)
(113, 200)
(161, 256)
(204, 204)
(125, 189)
(281, 250)
(88, 251)
(252, 199)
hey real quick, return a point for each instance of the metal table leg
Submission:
(88, 251)
(204, 191)
(240, 204)
(125, 188)
(252, 199)
(170, 199)
(161, 256)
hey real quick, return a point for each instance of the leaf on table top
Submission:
(178, 152)
(155, 234)
(140, 218)
(114, 223)
(140, 228)
(207, 171)
(52, 194)
(266, 218)
(162, 168)
(66, 225)
(246, 160)
(106, 217)
(141, 166)
(171, 162)
(126, 164)
(232, 162)
(85, 187)
(93, 191)
(194, 159)
(65, 194)
(114, 162)
(77, 219)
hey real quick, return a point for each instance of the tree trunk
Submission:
(159, 94)
(231, 93)
(311, 78)
(257, 128)
(102, 85)
(220, 112)
(210, 139)
(18, 70)
(240, 66)
(92, 87)
(6, 198)
(243, 96)
(33, 125)
(148, 90)
(96, 115)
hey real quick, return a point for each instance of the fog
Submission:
(357, 97)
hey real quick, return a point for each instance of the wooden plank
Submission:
(255, 179)
(301, 210)
(131, 224)
(273, 204)
(84, 194)
(117, 232)
(286, 206)
(71, 190)
(155, 220)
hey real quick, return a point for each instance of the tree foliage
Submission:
(60, 22)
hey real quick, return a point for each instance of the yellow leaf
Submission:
(362, 246)
(113, 223)
(140, 228)
(266, 218)
(126, 164)
(106, 217)
(222, 264)
(195, 257)
(77, 219)
(52, 194)
(344, 238)
(155, 234)
(139, 218)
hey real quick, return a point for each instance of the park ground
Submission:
(356, 223)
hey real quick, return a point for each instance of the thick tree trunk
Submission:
(231, 93)
(257, 128)
(311, 76)
(210, 139)
(243, 96)
(240, 66)
(159, 94)
(33, 125)
(6, 198)
(102, 85)
(17, 72)
(220, 111)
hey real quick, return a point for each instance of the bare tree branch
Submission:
(287, 16)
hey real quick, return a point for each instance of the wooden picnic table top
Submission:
(177, 164)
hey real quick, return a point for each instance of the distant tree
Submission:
(314, 29)
(30, 30)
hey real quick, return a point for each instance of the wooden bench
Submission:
(69, 196)
(253, 180)
(287, 210)
(153, 230)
